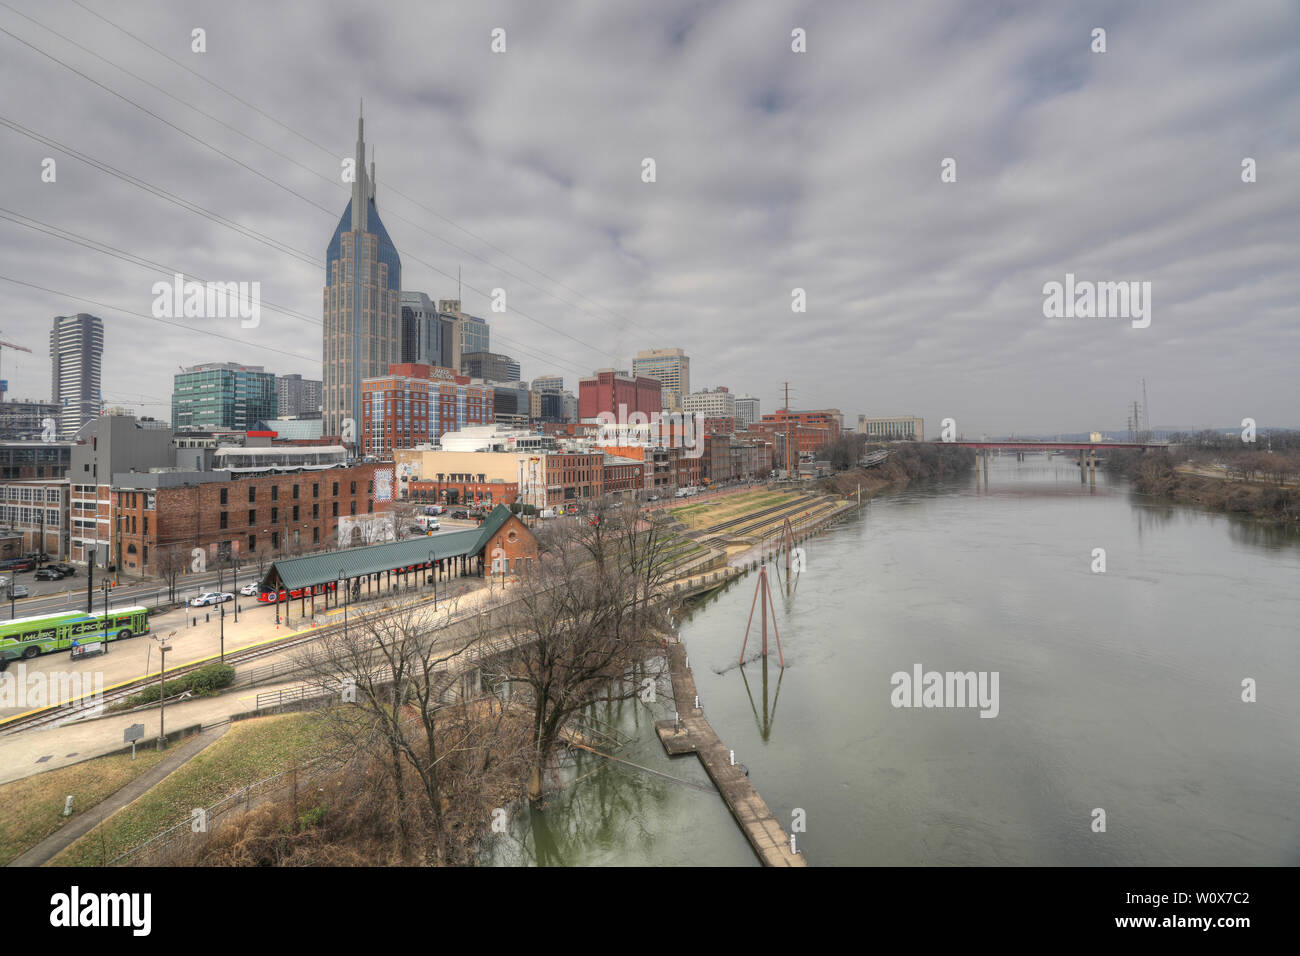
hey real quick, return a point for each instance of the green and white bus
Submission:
(25, 637)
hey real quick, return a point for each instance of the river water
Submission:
(1119, 693)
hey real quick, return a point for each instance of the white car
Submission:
(250, 590)
(212, 597)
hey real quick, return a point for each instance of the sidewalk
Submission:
(32, 751)
(48, 848)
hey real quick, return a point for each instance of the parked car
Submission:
(460, 515)
(19, 590)
(250, 590)
(19, 564)
(67, 569)
(212, 597)
(49, 574)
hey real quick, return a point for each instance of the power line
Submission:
(97, 246)
(154, 318)
(164, 194)
(246, 231)
(394, 190)
(252, 139)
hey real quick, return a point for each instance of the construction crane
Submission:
(10, 345)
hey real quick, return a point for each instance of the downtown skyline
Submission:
(818, 171)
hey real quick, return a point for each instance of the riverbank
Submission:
(907, 461)
(1156, 474)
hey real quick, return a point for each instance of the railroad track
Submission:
(751, 522)
(80, 708)
(758, 515)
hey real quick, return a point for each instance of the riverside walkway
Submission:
(691, 733)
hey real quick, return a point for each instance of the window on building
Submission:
(295, 492)
(252, 492)
(252, 516)
(354, 508)
(336, 489)
(224, 519)
(252, 543)
(223, 496)
(336, 509)
(315, 535)
(354, 488)
(315, 491)
(315, 511)
(275, 539)
(295, 512)
(275, 492)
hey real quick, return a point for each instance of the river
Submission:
(1119, 693)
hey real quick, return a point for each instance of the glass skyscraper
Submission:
(222, 395)
(362, 303)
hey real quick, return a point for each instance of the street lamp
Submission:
(163, 648)
(236, 593)
(104, 586)
(222, 616)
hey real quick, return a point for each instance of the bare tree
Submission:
(397, 666)
(585, 620)
(169, 562)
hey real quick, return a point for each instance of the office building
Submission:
(897, 428)
(417, 404)
(362, 302)
(297, 397)
(747, 412)
(670, 366)
(490, 366)
(615, 393)
(422, 330)
(711, 403)
(222, 395)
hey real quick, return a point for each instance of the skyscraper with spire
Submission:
(362, 303)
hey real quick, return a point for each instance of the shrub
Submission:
(210, 678)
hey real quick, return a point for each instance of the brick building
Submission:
(831, 419)
(416, 404)
(165, 516)
(37, 512)
(616, 393)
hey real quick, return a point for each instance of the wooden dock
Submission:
(691, 733)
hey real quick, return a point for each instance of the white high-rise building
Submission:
(711, 403)
(76, 355)
(747, 412)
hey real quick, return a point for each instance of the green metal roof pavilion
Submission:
(293, 573)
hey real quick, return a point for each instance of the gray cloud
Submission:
(775, 170)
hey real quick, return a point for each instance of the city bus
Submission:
(26, 637)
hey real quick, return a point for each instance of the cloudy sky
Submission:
(775, 170)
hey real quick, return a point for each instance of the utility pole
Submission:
(1146, 414)
(787, 431)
